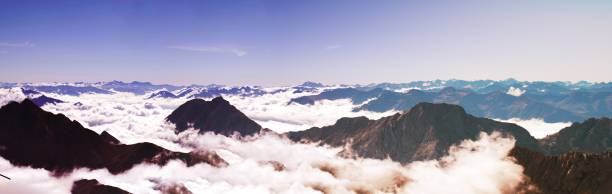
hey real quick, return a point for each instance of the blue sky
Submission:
(287, 42)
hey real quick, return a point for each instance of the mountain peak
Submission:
(425, 132)
(311, 84)
(217, 116)
(436, 109)
(219, 99)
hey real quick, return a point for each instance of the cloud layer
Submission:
(472, 167)
(538, 128)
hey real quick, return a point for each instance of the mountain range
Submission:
(566, 107)
(577, 159)
(504, 99)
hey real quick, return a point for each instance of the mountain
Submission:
(64, 89)
(92, 186)
(568, 173)
(30, 136)
(162, 94)
(424, 132)
(217, 115)
(135, 87)
(593, 135)
(44, 100)
(310, 84)
(356, 95)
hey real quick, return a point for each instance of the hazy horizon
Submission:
(293, 84)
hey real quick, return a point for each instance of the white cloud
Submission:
(210, 49)
(538, 128)
(515, 91)
(17, 44)
(10, 94)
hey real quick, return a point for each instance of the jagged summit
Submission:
(217, 115)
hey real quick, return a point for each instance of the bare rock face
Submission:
(569, 173)
(217, 115)
(30, 136)
(425, 132)
(92, 186)
(593, 135)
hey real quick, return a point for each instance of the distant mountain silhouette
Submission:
(311, 84)
(567, 106)
(30, 136)
(217, 115)
(67, 89)
(162, 94)
(593, 135)
(44, 100)
(425, 132)
(357, 96)
(135, 87)
(568, 173)
(92, 186)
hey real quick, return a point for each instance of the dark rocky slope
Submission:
(217, 115)
(593, 135)
(568, 173)
(92, 186)
(30, 136)
(425, 132)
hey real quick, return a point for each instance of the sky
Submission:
(272, 43)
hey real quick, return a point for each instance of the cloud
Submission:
(537, 127)
(515, 91)
(10, 94)
(333, 46)
(209, 49)
(19, 44)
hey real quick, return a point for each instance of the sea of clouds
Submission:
(480, 166)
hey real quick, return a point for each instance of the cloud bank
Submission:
(538, 128)
(471, 167)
